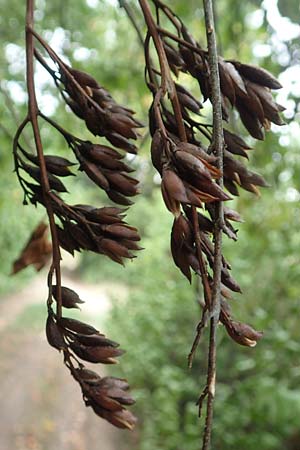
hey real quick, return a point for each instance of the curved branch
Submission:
(33, 117)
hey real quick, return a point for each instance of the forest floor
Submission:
(41, 405)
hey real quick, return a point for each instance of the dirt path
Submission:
(41, 406)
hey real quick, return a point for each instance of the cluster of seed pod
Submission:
(101, 230)
(102, 115)
(243, 86)
(187, 173)
(103, 165)
(107, 396)
(84, 227)
(189, 169)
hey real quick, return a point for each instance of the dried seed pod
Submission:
(105, 215)
(187, 100)
(83, 78)
(70, 298)
(110, 395)
(192, 164)
(174, 186)
(120, 419)
(157, 150)
(77, 326)
(118, 198)
(237, 80)
(235, 144)
(174, 59)
(231, 214)
(250, 121)
(99, 354)
(199, 152)
(94, 173)
(58, 165)
(81, 238)
(54, 164)
(122, 231)
(102, 398)
(242, 333)
(95, 340)
(66, 241)
(115, 250)
(54, 334)
(88, 376)
(96, 152)
(257, 75)
(181, 243)
(121, 142)
(122, 125)
(110, 382)
(122, 183)
(54, 182)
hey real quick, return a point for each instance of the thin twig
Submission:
(123, 4)
(206, 288)
(167, 83)
(181, 41)
(217, 146)
(14, 114)
(33, 116)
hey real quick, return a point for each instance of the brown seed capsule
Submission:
(121, 142)
(77, 326)
(118, 198)
(100, 354)
(83, 78)
(35, 173)
(122, 183)
(122, 231)
(121, 419)
(94, 173)
(88, 376)
(157, 150)
(242, 333)
(70, 298)
(192, 164)
(257, 75)
(54, 334)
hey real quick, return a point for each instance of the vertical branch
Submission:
(33, 117)
(217, 147)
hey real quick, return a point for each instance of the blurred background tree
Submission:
(258, 398)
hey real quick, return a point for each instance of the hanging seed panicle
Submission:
(101, 230)
(102, 115)
(80, 227)
(248, 89)
(243, 86)
(104, 167)
(107, 396)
